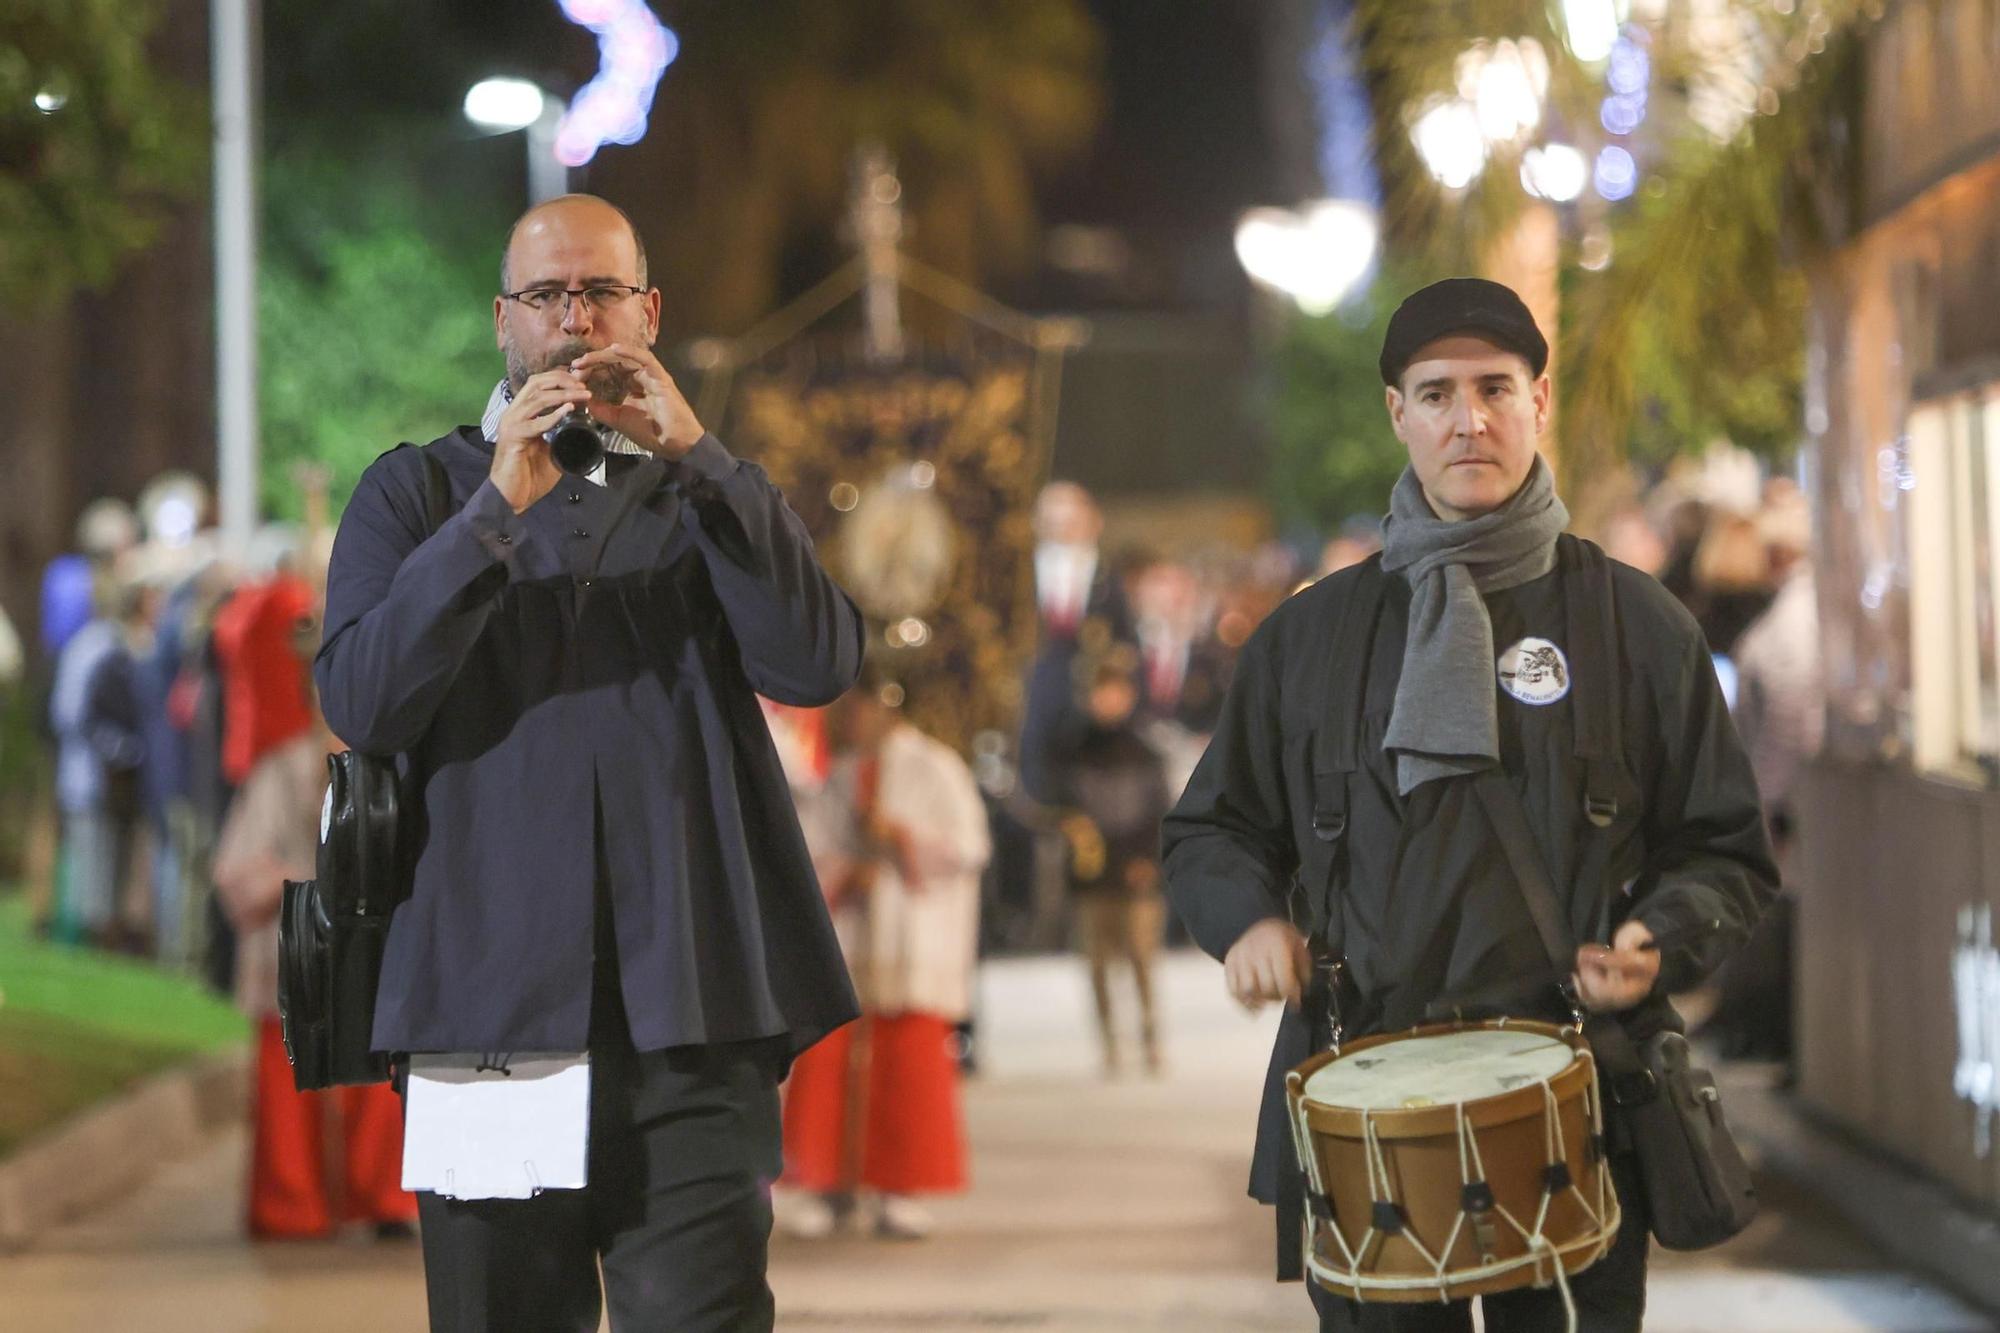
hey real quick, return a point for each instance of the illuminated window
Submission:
(1955, 584)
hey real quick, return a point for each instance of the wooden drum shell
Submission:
(1421, 1152)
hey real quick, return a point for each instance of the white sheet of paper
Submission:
(472, 1133)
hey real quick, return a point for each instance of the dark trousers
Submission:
(1610, 1295)
(683, 1146)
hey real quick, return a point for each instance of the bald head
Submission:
(582, 213)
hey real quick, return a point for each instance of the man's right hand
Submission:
(1268, 962)
(522, 470)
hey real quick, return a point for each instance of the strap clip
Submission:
(1633, 1088)
(1329, 805)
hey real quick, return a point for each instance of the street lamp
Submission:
(1314, 256)
(501, 106)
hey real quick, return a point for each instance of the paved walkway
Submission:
(1096, 1206)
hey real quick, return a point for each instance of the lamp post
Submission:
(233, 33)
(501, 106)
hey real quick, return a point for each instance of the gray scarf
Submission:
(1446, 721)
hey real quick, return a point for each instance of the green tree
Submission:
(1333, 455)
(92, 141)
(375, 308)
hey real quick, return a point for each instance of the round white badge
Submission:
(1535, 672)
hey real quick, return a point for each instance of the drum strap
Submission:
(1627, 1081)
(1591, 613)
(1337, 748)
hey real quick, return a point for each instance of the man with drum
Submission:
(1336, 848)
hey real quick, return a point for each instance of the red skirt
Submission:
(291, 1192)
(908, 1127)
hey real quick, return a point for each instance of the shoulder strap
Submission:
(1509, 819)
(437, 488)
(1336, 751)
(1592, 616)
(1626, 1078)
(1338, 754)
(437, 491)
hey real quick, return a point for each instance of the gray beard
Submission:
(606, 384)
(519, 367)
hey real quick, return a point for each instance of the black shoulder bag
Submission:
(332, 929)
(1698, 1189)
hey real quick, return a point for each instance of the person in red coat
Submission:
(271, 835)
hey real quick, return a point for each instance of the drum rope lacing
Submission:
(1472, 1173)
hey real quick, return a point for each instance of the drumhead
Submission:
(1439, 1069)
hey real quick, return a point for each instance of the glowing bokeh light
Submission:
(1315, 257)
(1590, 26)
(1448, 138)
(1504, 83)
(633, 50)
(1617, 175)
(503, 104)
(1555, 172)
(1630, 67)
(1623, 113)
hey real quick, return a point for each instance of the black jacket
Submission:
(1421, 903)
(594, 658)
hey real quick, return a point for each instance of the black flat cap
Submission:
(1461, 305)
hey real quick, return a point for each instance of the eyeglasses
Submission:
(544, 300)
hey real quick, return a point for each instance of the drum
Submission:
(1452, 1161)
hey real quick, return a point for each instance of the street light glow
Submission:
(503, 104)
(1315, 257)
(1448, 139)
(1556, 172)
(1505, 82)
(1590, 26)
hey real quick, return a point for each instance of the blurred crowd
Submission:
(166, 670)
(173, 692)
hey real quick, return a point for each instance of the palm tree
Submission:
(1695, 327)
(756, 126)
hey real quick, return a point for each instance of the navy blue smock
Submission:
(595, 657)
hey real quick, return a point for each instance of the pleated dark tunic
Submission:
(1426, 907)
(593, 661)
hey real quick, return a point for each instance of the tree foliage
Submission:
(375, 309)
(383, 222)
(86, 170)
(1333, 455)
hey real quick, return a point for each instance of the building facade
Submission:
(1899, 872)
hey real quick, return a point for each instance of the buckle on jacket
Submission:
(1600, 810)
